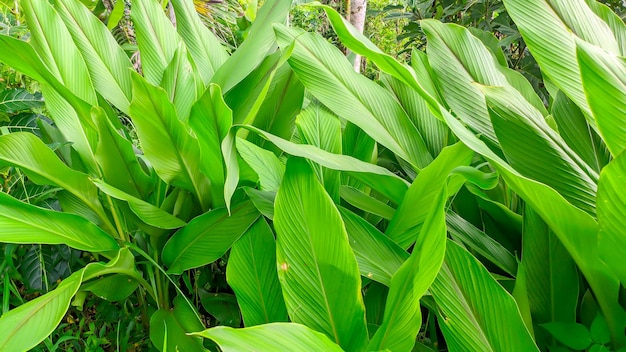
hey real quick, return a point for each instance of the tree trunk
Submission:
(358, 8)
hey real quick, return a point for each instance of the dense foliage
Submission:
(253, 192)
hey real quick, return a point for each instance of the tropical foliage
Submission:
(274, 199)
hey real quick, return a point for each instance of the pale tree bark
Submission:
(358, 8)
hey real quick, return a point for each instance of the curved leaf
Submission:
(147, 212)
(13, 100)
(106, 61)
(611, 208)
(466, 294)
(207, 237)
(24, 223)
(169, 328)
(407, 221)
(316, 267)
(403, 316)
(207, 52)
(326, 73)
(171, 149)
(252, 274)
(276, 337)
(604, 84)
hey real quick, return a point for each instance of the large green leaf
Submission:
(276, 337)
(53, 42)
(328, 75)
(252, 274)
(147, 212)
(321, 128)
(156, 38)
(169, 328)
(576, 229)
(206, 50)
(403, 317)
(25, 223)
(116, 157)
(549, 24)
(377, 255)
(460, 59)
(434, 131)
(106, 61)
(360, 44)
(475, 312)
(26, 326)
(316, 267)
(611, 207)
(604, 84)
(381, 179)
(210, 120)
(575, 130)
(14, 100)
(207, 237)
(42, 166)
(266, 165)
(180, 83)
(171, 149)
(251, 53)
(407, 221)
(537, 151)
(550, 274)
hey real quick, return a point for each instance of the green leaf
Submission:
(466, 295)
(210, 120)
(259, 41)
(116, 157)
(576, 229)
(549, 24)
(270, 338)
(207, 237)
(604, 84)
(529, 145)
(53, 42)
(572, 335)
(377, 255)
(156, 38)
(24, 223)
(316, 267)
(599, 331)
(574, 129)
(361, 45)
(611, 207)
(26, 326)
(42, 166)
(14, 100)
(106, 61)
(179, 81)
(207, 52)
(407, 221)
(319, 127)
(169, 328)
(552, 278)
(267, 165)
(434, 131)
(252, 274)
(366, 202)
(171, 149)
(326, 73)
(223, 307)
(113, 288)
(381, 179)
(147, 212)
(403, 317)
(478, 241)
